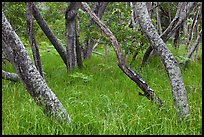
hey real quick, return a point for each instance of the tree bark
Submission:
(10, 76)
(158, 18)
(78, 48)
(176, 40)
(30, 76)
(177, 21)
(148, 92)
(50, 35)
(168, 60)
(192, 29)
(70, 18)
(99, 9)
(31, 37)
(193, 48)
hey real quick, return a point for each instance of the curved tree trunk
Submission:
(148, 92)
(31, 37)
(168, 60)
(182, 12)
(30, 76)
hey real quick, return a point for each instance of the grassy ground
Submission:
(101, 99)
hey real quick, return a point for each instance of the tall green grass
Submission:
(101, 99)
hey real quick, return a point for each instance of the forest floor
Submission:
(101, 99)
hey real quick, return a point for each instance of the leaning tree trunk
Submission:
(193, 48)
(182, 12)
(99, 9)
(48, 32)
(192, 29)
(31, 37)
(30, 76)
(166, 57)
(148, 92)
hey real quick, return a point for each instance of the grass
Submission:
(101, 99)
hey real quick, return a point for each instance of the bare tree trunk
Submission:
(193, 48)
(176, 23)
(176, 40)
(10, 76)
(168, 60)
(158, 18)
(31, 37)
(185, 32)
(50, 35)
(148, 92)
(30, 76)
(70, 18)
(192, 29)
(99, 9)
(78, 47)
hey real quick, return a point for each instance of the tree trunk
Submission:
(176, 40)
(78, 47)
(158, 18)
(30, 76)
(9, 76)
(70, 18)
(193, 48)
(176, 23)
(192, 29)
(50, 35)
(31, 37)
(168, 60)
(148, 92)
(185, 32)
(99, 9)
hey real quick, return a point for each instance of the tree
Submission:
(195, 21)
(181, 15)
(148, 92)
(71, 36)
(98, 9)
(30, 76)
(193, 48)
(50, 35)
(166, 57)
(31, 37)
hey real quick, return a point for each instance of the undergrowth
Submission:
(101, 99)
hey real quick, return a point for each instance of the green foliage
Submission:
(181, 59)
(16, 14)
(84, 77)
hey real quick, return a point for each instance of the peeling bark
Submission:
(30, 76)
(168, 60)
(148, 92)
